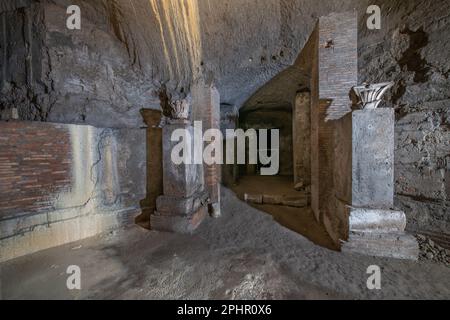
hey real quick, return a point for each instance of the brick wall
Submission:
(35, 162)
(61, 183)
(334, 73)
(338, 61)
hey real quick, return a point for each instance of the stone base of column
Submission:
(180, 215)
(380, 232)
(390, 245)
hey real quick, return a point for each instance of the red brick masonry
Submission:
(35, 163)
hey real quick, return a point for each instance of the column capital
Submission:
(369, 96)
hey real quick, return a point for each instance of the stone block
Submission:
(253, 198)
(364, 158)
(373, 158)
(179, 224)
(390, 245)
(182, 180)
(300, 201)
(297, 202)
(169, 205)
(272, 199)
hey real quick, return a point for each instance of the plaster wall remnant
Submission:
(60, 183)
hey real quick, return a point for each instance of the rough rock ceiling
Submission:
(127, 50)
(280, 91)
(240, 44)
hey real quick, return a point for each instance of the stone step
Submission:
(391, 245)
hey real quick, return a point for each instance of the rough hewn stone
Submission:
(184, 203)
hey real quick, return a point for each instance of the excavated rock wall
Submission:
(412, 49)
(103, 74)
(126, 50)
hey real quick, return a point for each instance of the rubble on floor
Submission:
(430, 251)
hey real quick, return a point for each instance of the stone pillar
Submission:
(206, 108)
(183, 206)
(364, 185)
(365, 153)
(302, 139)
(152, 119)
(229, 116)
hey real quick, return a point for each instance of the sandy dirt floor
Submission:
(300, 220)
(244, 254)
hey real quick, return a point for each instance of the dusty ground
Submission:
(244, 254)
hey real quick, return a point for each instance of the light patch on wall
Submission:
(110, 175)
(84, 174)
(179, 23)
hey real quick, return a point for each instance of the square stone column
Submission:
(184, 204)
(152, 119)
(364, 185)
(229, 116)
(365, 154)
(206, 108)
(302, 138)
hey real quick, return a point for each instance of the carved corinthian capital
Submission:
(179, 109)
(369, 96)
